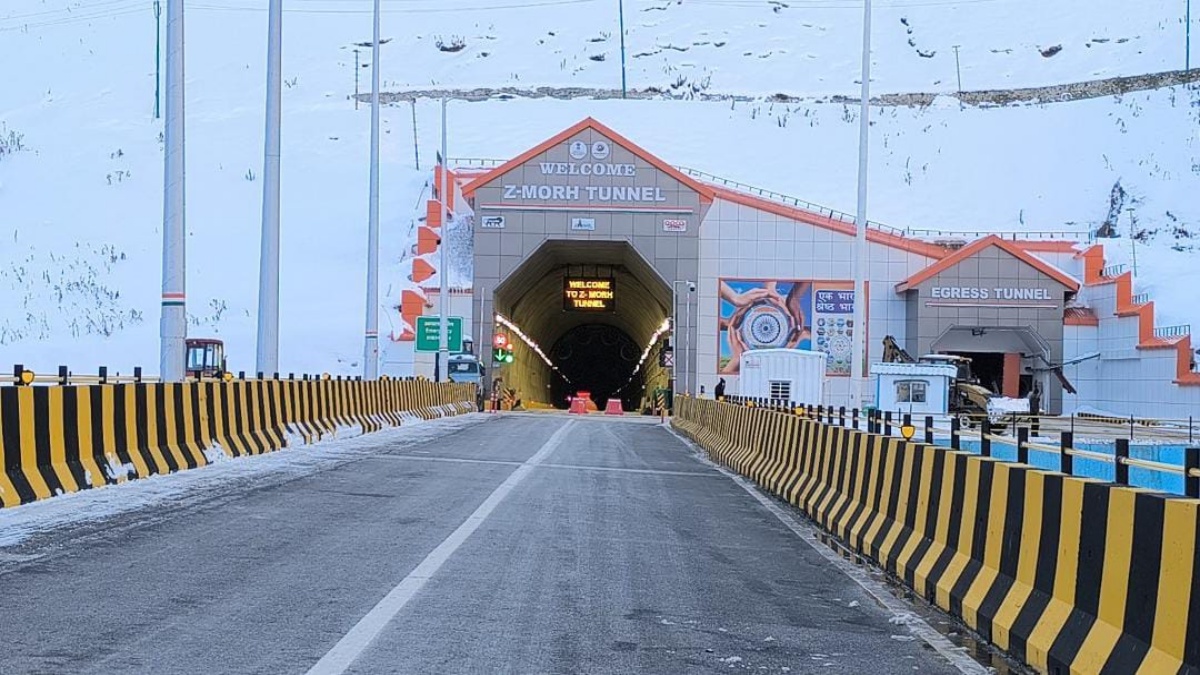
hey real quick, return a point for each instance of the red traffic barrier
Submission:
(613, 407)
(578, 406)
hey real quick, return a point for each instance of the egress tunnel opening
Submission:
(587, 316)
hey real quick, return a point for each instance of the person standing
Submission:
(719, 390)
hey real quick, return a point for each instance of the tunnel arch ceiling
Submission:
(532, 298)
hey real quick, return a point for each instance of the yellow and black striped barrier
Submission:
(1068, 574)
(58, 439)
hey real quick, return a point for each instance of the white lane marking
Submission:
(343, 654)
(916, 625)
(569, 467)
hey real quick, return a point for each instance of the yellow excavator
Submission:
(968, 398)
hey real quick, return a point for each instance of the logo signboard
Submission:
(674, 225)
(588, 224)
(492, 222)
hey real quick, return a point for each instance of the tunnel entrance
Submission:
(600, 359)
(583, 316)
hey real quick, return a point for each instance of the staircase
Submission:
(1143, 369)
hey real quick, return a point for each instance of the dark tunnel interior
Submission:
(597, 358)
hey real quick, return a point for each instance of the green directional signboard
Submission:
(429, 333)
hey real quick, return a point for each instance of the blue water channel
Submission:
(1092, 468)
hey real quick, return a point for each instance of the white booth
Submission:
(913, 387)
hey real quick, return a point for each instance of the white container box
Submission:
(792, 375)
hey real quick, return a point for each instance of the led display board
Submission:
(589, 294)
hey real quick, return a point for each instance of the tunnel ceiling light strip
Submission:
(503, 321)
(666, 326)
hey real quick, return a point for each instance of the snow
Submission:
(225, 475)
(80, 200)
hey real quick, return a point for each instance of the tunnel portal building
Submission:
(584, 247)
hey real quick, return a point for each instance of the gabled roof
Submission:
(706, 193)
(975, 247)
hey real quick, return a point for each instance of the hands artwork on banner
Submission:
(762, 315)
(785, 314)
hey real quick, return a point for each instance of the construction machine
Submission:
(969, 400)
(205, 358)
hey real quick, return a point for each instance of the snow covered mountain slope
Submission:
(81, 162)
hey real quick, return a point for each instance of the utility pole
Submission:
(1187, 33)
(958, 70)
(860, 239)
(173, 323)
(268, 268)
(443, 272)
(157, 56)
(621, 14)
(371, 348)
(356, 68)
(416, 150)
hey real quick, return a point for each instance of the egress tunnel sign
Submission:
(589, 294)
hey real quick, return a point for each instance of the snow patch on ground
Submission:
(227, 475)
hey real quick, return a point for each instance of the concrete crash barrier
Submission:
(57, 439)
(1069, 575)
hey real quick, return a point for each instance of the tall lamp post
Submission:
(173, 322)
(267, 355)
(860, 240)
(371, 341)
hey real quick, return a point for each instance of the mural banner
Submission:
(785, 314)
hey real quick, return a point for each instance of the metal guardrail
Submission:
(1173, 331)
(881, 422)
(1141, 299)
(1113, 271)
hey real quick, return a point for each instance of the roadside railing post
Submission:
(1191, 462)
(985, 437)
(137, 374)
(854, 418)
(1120, 468)
(64, 376)
(241, 374)
(103, 374)
(1036, 426)
(1066, 444)
(842, 416)
(1023, 445)
(887, 423)
(955, 439)
(929, 430)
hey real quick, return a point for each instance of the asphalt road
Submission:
(518, 544)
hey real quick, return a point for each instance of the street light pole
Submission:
(860, 239)
(621, 13)
(1187, 51)
(443, 272)
(371, 343)
(173, 322)
(268, 267)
